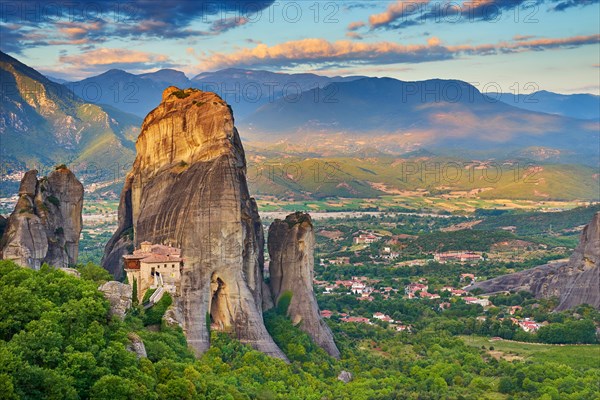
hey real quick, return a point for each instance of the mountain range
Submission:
(444, 116)
(94, 122)
(247, 90)
(244, 90)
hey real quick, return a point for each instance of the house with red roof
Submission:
(154, 265)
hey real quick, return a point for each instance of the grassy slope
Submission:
(575, 356)
(359, 177)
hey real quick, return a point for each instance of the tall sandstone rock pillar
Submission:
(46, 223)
(291, 245)
(188, 188)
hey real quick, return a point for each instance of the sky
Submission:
(516, 46)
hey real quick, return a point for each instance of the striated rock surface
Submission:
(119, 296)
(291, 250)
(121, 242)
(574, 282)
(46, 223)
(188, 188)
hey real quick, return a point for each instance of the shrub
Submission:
(180, 94)
(53, 200)
(153, 315)
(284, 302)
(93, 272)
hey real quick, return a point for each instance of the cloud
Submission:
(68, 22)
(315, 52)
(395, 11)
(523, 37)
(353, 26)
(99, 60)
(226, 24)
(354, 35)
(401, 13)
(565, 4)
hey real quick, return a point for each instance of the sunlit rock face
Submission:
(46, 223)
(188, 188)
(291, 269)
(574, 282)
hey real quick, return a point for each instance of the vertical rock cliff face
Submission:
(575, 282)
(188, 188)
(580, 278)
(46, 223)
(291, 249)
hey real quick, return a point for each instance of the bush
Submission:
(180, 94)
(93, 272)
(284, 302)
(153, 315)
(53, 200)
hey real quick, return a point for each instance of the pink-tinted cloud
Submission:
(355, 25)
(321, 51)
(396, 11)
(109, 57)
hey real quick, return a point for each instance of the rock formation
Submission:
(46, 223)
(3, 223)
(119, 295)
(345, 376)
(136, 345)
(291, 250)
(575, 282)
(188, 188)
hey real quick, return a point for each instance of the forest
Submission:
(57, 341)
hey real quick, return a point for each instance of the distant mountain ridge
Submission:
(445, 116)
(244, 90)
(247, 90)
(580, 106)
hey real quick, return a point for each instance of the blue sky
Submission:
(496, 44)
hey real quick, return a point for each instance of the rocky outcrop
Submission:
(574, 282)
(46, 223)
(119, 296)
(291, 250)
(136, 345)
(345, 376)
(171, 318)
(188, 188)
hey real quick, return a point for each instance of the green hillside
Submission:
(363, 177)
(46, 124)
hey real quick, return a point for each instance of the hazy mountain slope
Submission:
(580, 106)
(394, 115)
(43, 122)
(247, 90)
(119, 89)
(168, 76)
